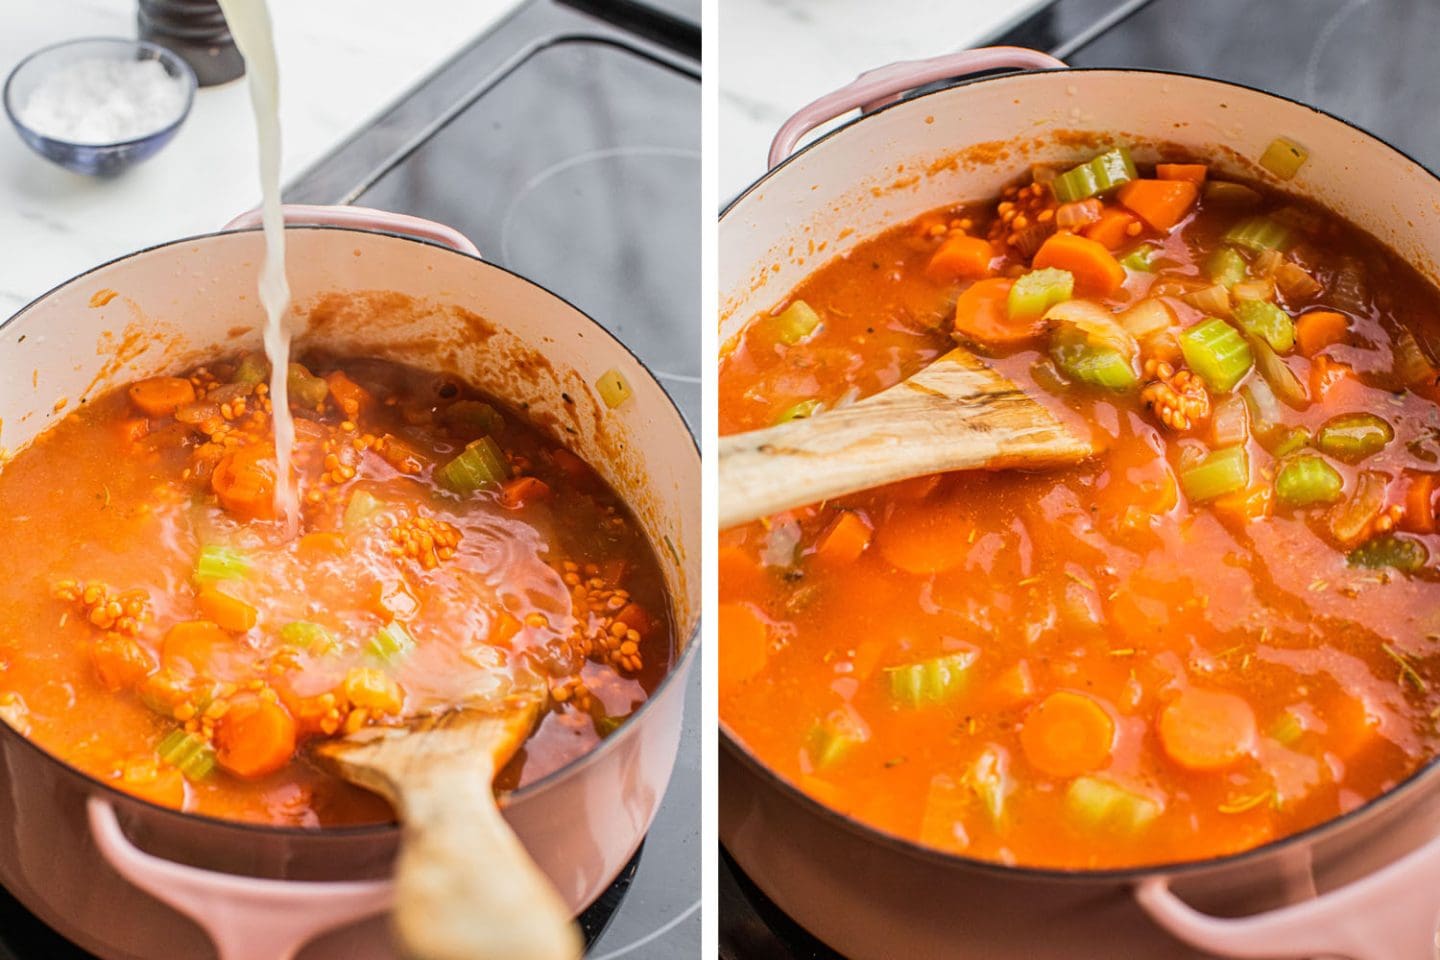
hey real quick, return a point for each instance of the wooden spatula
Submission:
(955, 414)
(465, 889)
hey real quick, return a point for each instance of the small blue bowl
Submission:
(95, 159)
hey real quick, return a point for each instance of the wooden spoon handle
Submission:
(465, 889)
(956, 414)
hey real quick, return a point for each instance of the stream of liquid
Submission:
(249, 22)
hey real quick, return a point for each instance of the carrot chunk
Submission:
(161, 396)
(1112, 229)
(193, 642)
(255, 736)
(322, 543)
(1096, 272)
(1067, 734)
(1193, 172)
(744, 643)
(1326, 374)
(120, 661)
(522, 491)
(982, 314)
(228, 612)
(505, 628)
(148, 780)
(923, 539)
(844, 540)
(1318, 329)
(245, 482)
(961, 257)
(635, 618)
(353, 399)
(1419, 504)
(1160, 203)
(133, 429)
(1207, 729)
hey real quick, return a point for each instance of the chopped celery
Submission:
(1259, 233)
(1352, 437)
(218, 562)
(1096, 176)
(930, 681)
(1217, 353)
(1268, 322)
(1307, 480)
(473, 416)
(391, 642)
(1279, 377)
(1284, 441)
(1390, 550)
(362, 506)
(1229, 193)
(1097, 803)
(306, 388)
(1283, 157)
(613, 389)
(1287, 728)
(800, 411)
(988, 778)
(252, 369)
(831, 739)
(1225, 267)
(1224, 471)
(1095, 365)
(1038, 291)
(795, 322)
(187, 753)
(481, 464)
(606, 724)
(1141, 259)
(309, 636)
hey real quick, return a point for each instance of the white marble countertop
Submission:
(778, 55)
(341, 62)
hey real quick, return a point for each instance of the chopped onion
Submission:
(1213, 300)
(1148, 317)
(781, 544)
(1098, 325)
(1068, 216)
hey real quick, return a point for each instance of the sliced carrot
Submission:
(1318, 329)
(521, 491)
(1015, 686)
(1207, 729)
(504, 629)
(926, 539)
(982, 314)
(119, 661)
(392, 600)
(1160, 203)
(1112, 230)
(844, 540)
(352, 398)
(244, 481)
(1193, 172)
(744, 643)
(323, 543)
(1067, 734)
(1326, 374)
(255, 736)
(133, 430)
(229, 613)
(961, 257)
(193, 642)
(1419, 503)
(161, 396)
(868, 654)
(635, 618)
(1096, 272)
(1243, 506)
(162, 785)
(740, 573)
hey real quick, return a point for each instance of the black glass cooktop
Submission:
(565, 143)
(1369, 62)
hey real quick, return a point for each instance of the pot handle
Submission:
(364, 218)
(876, 88)
(1391, 914)
(245, 917)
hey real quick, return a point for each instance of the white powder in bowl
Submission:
(104, 101)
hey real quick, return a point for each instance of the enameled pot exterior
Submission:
(1377, 870)
(367, 294)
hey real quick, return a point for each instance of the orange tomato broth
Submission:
(113, 640)
(1141, 678)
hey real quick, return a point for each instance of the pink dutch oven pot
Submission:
(1365, 886)
(128, 880)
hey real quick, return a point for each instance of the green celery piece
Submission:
(1100, 804)
(800, 411)
(930, 681)
(481, 464)
(1095, 365)
(362, 506)
(306, 388)
(1284, 157)
(1096, 176)
(1308, 480)
(830, 741)
(1224, 471)
(1268, 322)
(187, 753)
(1039, 290)
(613, 389)
(1226, 267)
(1286, 440)
(472, 417)
(219, 562)
(1217, 353)
(1260, 233)
(795, 322)
(1229, 193)
(1287, 728)
(606, 724)
(391, 642)
(252, 369)
(1141, 259)
(1351, 437)
(309, 636)
(1390, 550)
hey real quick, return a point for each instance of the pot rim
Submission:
(376, 830)
(733, 744)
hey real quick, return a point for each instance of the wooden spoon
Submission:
(465, 889)
(956, 414)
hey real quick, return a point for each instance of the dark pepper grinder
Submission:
(197, 31)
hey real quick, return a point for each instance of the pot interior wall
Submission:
(967, 142)
(369, 295)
